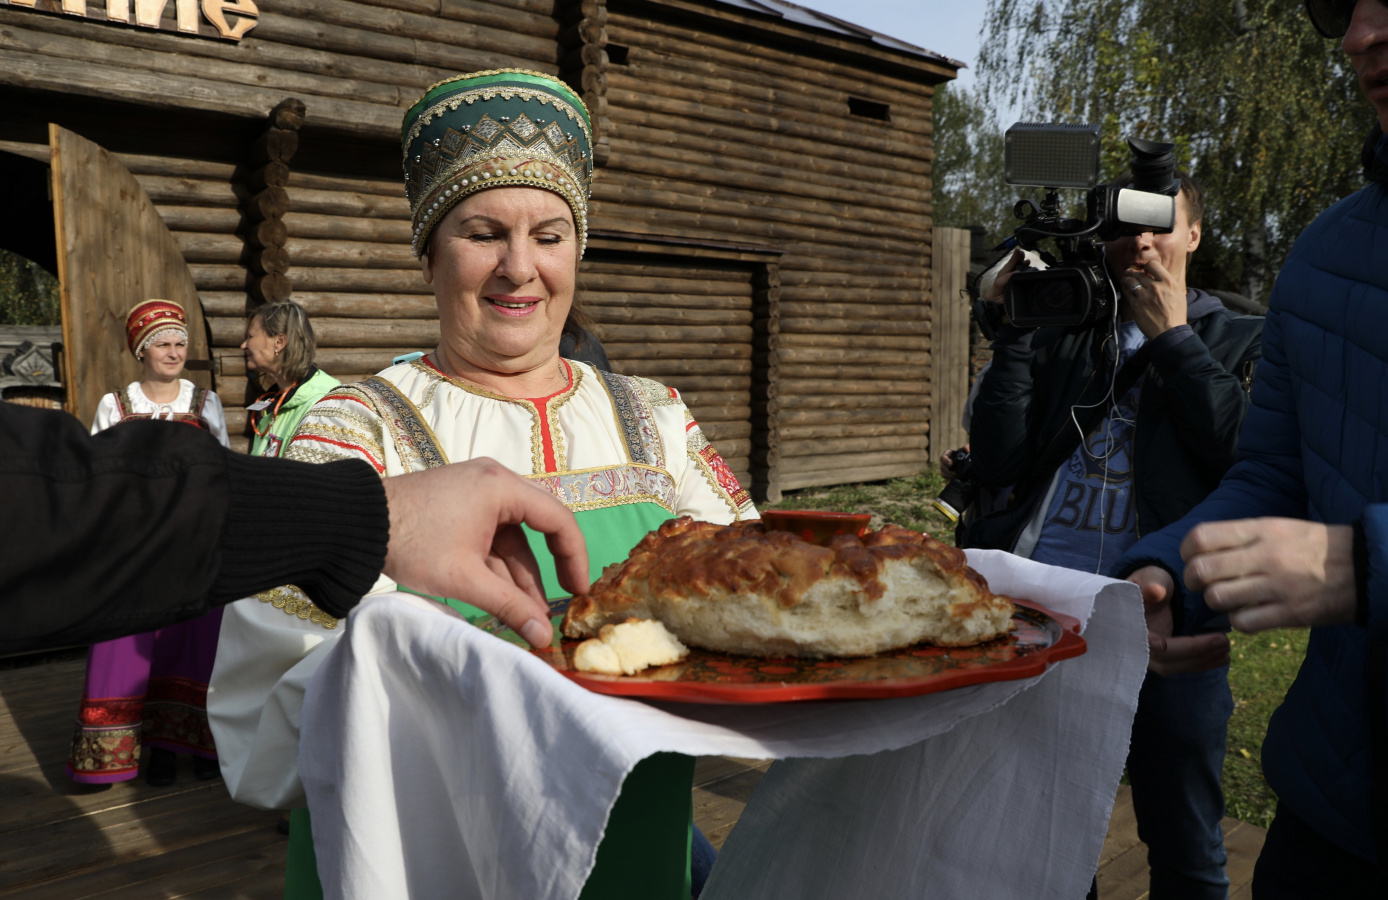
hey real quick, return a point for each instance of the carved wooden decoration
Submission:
(113, 252)
(583, 64)
(263, 212)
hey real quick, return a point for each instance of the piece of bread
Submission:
(628, 648)
(743, 589)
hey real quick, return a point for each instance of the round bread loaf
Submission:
(743, 589)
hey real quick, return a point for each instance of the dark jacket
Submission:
(1191, 404)
(1316, 447)
(150, 523)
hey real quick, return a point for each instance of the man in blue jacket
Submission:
(1297, 532)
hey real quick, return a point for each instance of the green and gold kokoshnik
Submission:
(499, 128)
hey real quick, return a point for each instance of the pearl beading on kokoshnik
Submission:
(499, 173)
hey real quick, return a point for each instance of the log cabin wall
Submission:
(721, 130)
(804, 350)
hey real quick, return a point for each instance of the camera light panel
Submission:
(1052, 155)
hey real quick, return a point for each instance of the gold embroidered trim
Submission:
(506, 92)
(713, 483)
(294, 602)
(343, 434)
(624, 487)
(657, 394)
(302, 453)
(411, 433)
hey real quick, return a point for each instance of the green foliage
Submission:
(28, 293)
(1264, 111)
(968, 186)
(1263, 666)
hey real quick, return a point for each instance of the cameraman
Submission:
(1108, 431)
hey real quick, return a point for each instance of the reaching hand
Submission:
(1168, 655)
(994, 294)
(1155, 299)
(455, 532)
(1273, 573)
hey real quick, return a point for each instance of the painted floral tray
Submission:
(1041, 637)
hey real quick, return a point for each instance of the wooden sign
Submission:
(227, 19)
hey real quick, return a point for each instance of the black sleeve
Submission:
(1002, 414)
(151, 523)
(1207, 401)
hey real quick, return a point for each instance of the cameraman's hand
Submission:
(1168, 654)
(947, 463)
(994, 292)
(1156, 301)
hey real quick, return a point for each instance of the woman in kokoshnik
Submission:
(279, 348)
(498, 166)
(150, 689)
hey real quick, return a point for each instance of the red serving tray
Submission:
(1041, 637)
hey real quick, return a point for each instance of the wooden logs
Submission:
(350, 203)
(334, 227)
(815, 431)
(676, 333)
(795, 465)
(841, 445)
(644, 350)
(847, 469)
(623, 315)
(361, 281)
(669, 370)
(320, 304)
(355, 254)
(688, 385)
(338, 362)
(721, 431)
(583, 63)
(262, 212)
(418, 334)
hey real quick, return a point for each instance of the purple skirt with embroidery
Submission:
(149, 689)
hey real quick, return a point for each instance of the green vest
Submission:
(283, 424)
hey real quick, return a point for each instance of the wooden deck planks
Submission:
(63, 841)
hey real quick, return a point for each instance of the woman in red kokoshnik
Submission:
(151, 688)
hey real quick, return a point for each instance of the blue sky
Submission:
(949, 27)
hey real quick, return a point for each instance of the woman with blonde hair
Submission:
(151, 689)
(280, 348)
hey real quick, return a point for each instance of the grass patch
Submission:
(905, 501)
(1262, 668)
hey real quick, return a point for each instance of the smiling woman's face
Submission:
(503, 264)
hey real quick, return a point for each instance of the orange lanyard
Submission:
(283, 395)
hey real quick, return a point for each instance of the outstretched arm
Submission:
(153, 523)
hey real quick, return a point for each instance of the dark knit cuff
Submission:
(321, 527)
(1361, 575)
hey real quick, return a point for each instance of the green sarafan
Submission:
(1264, 111)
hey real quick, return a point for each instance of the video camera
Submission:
(1075, 289)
